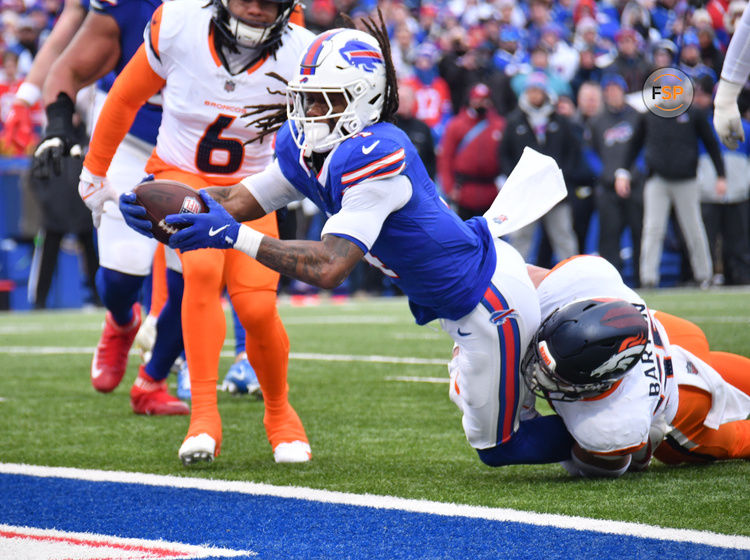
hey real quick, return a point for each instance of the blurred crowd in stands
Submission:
(481, 79)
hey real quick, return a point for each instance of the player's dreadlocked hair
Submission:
(380, 32)
(270, 117)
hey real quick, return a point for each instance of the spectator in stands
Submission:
(23, 140)
(536, 124)
(664, 53)
(588, 70)
(417, 131)
(630, 62)
(468, 158)
(710, 53)
(582, 192)
(690, 58)
(539, 17)
(671, 155)
(619, 188)
(539, 63)
(25, 44)
(510, 55)
(403, 51)
(563, 58)
(726, 213)
(432, 92)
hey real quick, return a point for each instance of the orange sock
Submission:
(158, 282)
(268, 351)
(203, 329)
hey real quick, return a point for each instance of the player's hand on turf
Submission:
(727, 119)
(135, 214)
(59, 141)
(95, 191)
(214, 229)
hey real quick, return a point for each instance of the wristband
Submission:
(727, 92)
(60, 116)
(28, 93)
(248, 240)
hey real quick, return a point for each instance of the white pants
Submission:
(486, 382)
(120, 247)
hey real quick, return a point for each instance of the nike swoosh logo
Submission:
(462, 333)
(371, 147)
(212, 231)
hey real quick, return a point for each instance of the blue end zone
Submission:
(300, 529)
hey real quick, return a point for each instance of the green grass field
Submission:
(369, 433)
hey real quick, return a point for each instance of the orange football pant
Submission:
(252, 289)
(731, 440)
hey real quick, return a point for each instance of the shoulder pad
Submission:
(368, 156)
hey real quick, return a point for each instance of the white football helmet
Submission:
(237, 31)
(345, 61)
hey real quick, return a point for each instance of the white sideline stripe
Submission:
(417, 379)
(47, 350)
(390, 503)
(102, 546)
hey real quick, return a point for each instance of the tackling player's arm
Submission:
(18, 129)
(93, 52)
(734, 73)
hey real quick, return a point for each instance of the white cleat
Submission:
(196, 449)
(292, 452)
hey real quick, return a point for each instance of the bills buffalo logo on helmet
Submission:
(360, 54)
(499, 317)
(190, 205)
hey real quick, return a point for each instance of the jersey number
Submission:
(230, 150)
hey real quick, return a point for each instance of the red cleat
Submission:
(111, 354)
(151, 397)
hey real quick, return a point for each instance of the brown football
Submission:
(161, 198)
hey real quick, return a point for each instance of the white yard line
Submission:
(48, 350)
(390, 503)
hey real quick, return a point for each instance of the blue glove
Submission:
(214, 229)
(135, 214)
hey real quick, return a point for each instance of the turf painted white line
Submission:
(50, 350)
(408, 379)
(26, 543)
(390, 503)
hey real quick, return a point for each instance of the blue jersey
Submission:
(442, 264)
(131, 16)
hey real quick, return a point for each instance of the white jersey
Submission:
(618, 421)
(728, 403)
(202, 130)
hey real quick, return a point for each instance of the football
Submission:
(161, 198)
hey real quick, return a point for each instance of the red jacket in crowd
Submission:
(468, 159)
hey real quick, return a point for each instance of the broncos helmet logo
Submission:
(628, 354)
(361, 55)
